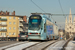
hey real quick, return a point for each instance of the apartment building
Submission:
(23, 25)
(9, 25)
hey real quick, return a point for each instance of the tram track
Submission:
(65, 45)
(56, 46)
(20, 46)
(12, 45)
(46, 45)
(39, 46)
(59, 45)
(30, 46)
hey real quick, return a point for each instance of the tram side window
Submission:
(42, 25)
(45, 27)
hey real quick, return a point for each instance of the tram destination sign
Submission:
(35, 17)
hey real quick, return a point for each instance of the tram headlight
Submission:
(29, 33)
(38, 33)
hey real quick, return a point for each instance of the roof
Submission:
(12, 15)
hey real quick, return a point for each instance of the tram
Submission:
(41, 27)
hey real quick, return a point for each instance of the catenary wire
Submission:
(61, 8)
(38, 6)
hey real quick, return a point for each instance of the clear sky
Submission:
(25, 7)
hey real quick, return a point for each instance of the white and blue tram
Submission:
(41, 27)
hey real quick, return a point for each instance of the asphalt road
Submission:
(5, 43)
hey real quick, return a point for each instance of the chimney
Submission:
(13, 13)
(0, 12)
(6, 12)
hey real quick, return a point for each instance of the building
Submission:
(23, 24)
(10, 25)
(70, 25)
(61, 33)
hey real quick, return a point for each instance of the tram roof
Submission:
(43, 15)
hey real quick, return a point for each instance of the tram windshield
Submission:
(34, 22)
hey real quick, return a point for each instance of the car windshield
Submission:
(74, 38)
(23, 33)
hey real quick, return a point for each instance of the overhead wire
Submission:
(38, 6)
(61, 8)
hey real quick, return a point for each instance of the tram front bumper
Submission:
(35, 37)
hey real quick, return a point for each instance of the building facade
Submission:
(11, 25)
(70, 25)
(23, 25)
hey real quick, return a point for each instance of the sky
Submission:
(26, 7)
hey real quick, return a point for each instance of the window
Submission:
(13, 33)
(14, 23)
(72, 28)
(9, 22)
(70, 18)
(3, 17)
(9, 33)
(9, 17)
(9, 27)
(45, 27)
(3, 34)
(13, 17)
(14, 28)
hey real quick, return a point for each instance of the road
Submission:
(5, 43)
(36, 45)
(70, 45)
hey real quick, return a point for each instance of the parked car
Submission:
(74, 38)
(23, 36)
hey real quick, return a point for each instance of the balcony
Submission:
(21, 30)
(0, 24)
(21, 20)
(2, 30)
(20, 24)
(3, 24)
(3, 19)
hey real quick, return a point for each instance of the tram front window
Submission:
(34, 24)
